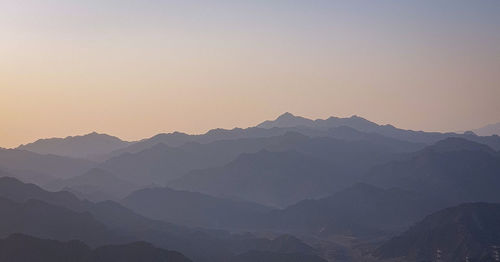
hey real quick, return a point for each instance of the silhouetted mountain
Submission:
(287, 120)
(96, 185)
(359, 210)
(269, 178)
(266, 256)
(85, 146)
(191, 208)
(467, 230)
(23, 248)
(56, 166)
(287, 123)
(453, 169)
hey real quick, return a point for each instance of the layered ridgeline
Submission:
(96, 184)
(166, 157)
(89, 146)
(320, 127)
(194, 209)
(406, 191)
(101, 144)
(162, 163)
(361, 124)
(38, 167)
(468, 232)
(454, 169)
(361, 210)
(297, 168)
(336, 183)
(30, 210)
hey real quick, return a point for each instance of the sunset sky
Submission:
(134, 68)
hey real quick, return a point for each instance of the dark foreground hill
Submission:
(264, 256)
(23, 248)
(468, 230)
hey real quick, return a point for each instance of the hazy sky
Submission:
(134, 68)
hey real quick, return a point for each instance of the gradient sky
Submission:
(134, 68)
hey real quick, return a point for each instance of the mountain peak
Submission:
(286, 120)
(286, 115)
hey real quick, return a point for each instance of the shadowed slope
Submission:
(23, 248)
(467, 230)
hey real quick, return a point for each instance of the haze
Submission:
(136, 68)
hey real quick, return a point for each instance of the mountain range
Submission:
(28, 209)
(289, 189)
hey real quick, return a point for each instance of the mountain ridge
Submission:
(80, 146)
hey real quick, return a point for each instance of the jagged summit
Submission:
(288, 119)
(286, 115)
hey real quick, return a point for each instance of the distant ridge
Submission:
(288, 120)
(84, 146)
(488, 130)
(101, 147)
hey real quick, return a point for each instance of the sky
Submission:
(135, 68)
